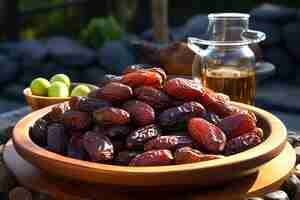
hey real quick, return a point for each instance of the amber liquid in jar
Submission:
(238, 84)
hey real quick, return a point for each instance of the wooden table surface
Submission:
(269, 178)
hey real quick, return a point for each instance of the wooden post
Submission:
(160, 20)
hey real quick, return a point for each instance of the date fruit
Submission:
(99, 147)
(170, 142)
(241, 143)
(186, 155)
(38, 132)
(237, 124)
(76, 148)
(207, 135)
(56, 138)
(184, 89)
(111, 116)
(116, 92)
(139, 137)
(87, 104)
(140, 112)
(124, 157)
(136, 67)
(153, 158)
(142, 77)
(117, 131)
(77, 120)
(152, 96)
(181, 114)
(56, 113)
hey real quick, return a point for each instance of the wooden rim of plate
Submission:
(267, 150)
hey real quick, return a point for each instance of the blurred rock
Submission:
(9, 70)
(20, 193)
(196, 26)
(114, 57)
(14, 90)
(291, 185)
(31, 52)
(271, 30)
(277, 195)
(272, 12)
(7, 181)
(285, 67)
(291, 35)
(69, 52)
(264, 70)
(93, 75)
(175, 34)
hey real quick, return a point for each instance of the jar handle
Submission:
(253, 36)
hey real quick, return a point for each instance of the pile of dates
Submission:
(143, 119)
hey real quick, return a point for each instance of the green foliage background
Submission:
(72, 20)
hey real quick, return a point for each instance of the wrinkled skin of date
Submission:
(184, 89)
(136, 67)
(186, 155)
(57, 112)
(140, 112)
(77, 120)
(146, 78)
(56, 139)
(99, 147)
(153, 158)
(38, 132)
(181, 114)
(118, 145)
(87, 104)
(124, 157)
(111, 116)
(76, 148)
(154, 97)
(212, 118)
(207, 135)
(118, 131)
(116, 92)
(139, 137)
(237, 124)
(242, 143)
(170, 142)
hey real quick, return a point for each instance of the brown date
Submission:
(140, 112)
(242, 143)
(139, 137)
(76, 148)
(87, 104)
(237, 124)
(56, 113)
(152, 96)
(99, 147)
(186, 155)
(181, 114)
(38, 132)
(153, 158)
(124, 157)
(170, 142)
(116, 92)
(117, 131)
(142, 77)
(111, 116)
(119, 145)
(207, 135)
(56, 138)
(77, 120)
(184, 89)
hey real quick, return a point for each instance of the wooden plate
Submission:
(208, 173)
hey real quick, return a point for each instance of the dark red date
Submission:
(153, 158)
(170, 142)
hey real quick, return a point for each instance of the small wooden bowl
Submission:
(38, 102)
(201, 174)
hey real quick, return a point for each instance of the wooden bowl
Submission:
(38, 102)
(201, 174)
